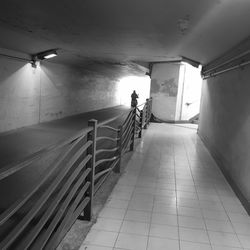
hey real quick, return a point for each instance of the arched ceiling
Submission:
(125, 30)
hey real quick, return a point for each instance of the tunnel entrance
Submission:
(141, 84)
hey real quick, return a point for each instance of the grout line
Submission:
(151, 215)
(215, 188)
(128, 204)
(176, 201)
(235, 233)
(40, 94)
(204, 221)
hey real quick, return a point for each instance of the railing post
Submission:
(149, 110)
(133, 132)
(91, 164)
(146, 115)
(117, 169)
(141, 121)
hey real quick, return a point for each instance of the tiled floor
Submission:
(171, 196)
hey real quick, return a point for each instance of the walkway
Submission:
(172, 196)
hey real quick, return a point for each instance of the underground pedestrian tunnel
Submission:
(83, 169)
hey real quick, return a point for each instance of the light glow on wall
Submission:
(191, 92)
(140, 84)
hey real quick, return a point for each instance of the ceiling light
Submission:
(45, 54)
(50, 55)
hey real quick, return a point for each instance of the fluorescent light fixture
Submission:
(50, 55)
(45, 54)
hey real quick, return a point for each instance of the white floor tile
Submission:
(244, 240)
(166, 219)
(135, 227)
(224, 239)
(141, 205)
(140, 216)
(194, 235)
(164, 231)
(164, 208)
(107, 224)
(101, 238)
(226, 248)
(112, 213)
(242, 228)
(215, 215)
(117, 203)
(219, 226)
(131, 242)
(194, 246)
(155, 243)
(187, 211)
(238, 217)
(191, 222)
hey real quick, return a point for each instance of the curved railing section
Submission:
(41, 217)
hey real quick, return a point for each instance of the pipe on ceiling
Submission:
(226, 70)
(226, 62)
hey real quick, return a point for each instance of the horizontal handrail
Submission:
(141, 104)
(127, 138)
(35, 230)
(138, 128)
(127, 143)
(109, 127)
(70, 217)
(138, 109)
(137, 115)
(128, 132)
(137, 122)
(106, 150)
(128, 125)
(127, 129)
(100, 182)
(12, 209)
(41, 201)
(105, 160)
(101, 173)
(129, 117)
(99, 138)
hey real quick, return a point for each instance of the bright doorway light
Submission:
(190, 92)
(140, 84)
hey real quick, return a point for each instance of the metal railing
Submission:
(41, 217)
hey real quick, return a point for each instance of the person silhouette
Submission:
(134, 97)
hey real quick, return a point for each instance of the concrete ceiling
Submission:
(124, 30)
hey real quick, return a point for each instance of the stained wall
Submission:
(164, 89)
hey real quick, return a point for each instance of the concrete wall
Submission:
(164, 89)
(52, 91)
(66, 91)
(19, 94)
(225, 122)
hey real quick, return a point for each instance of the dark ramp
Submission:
(19, 144)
